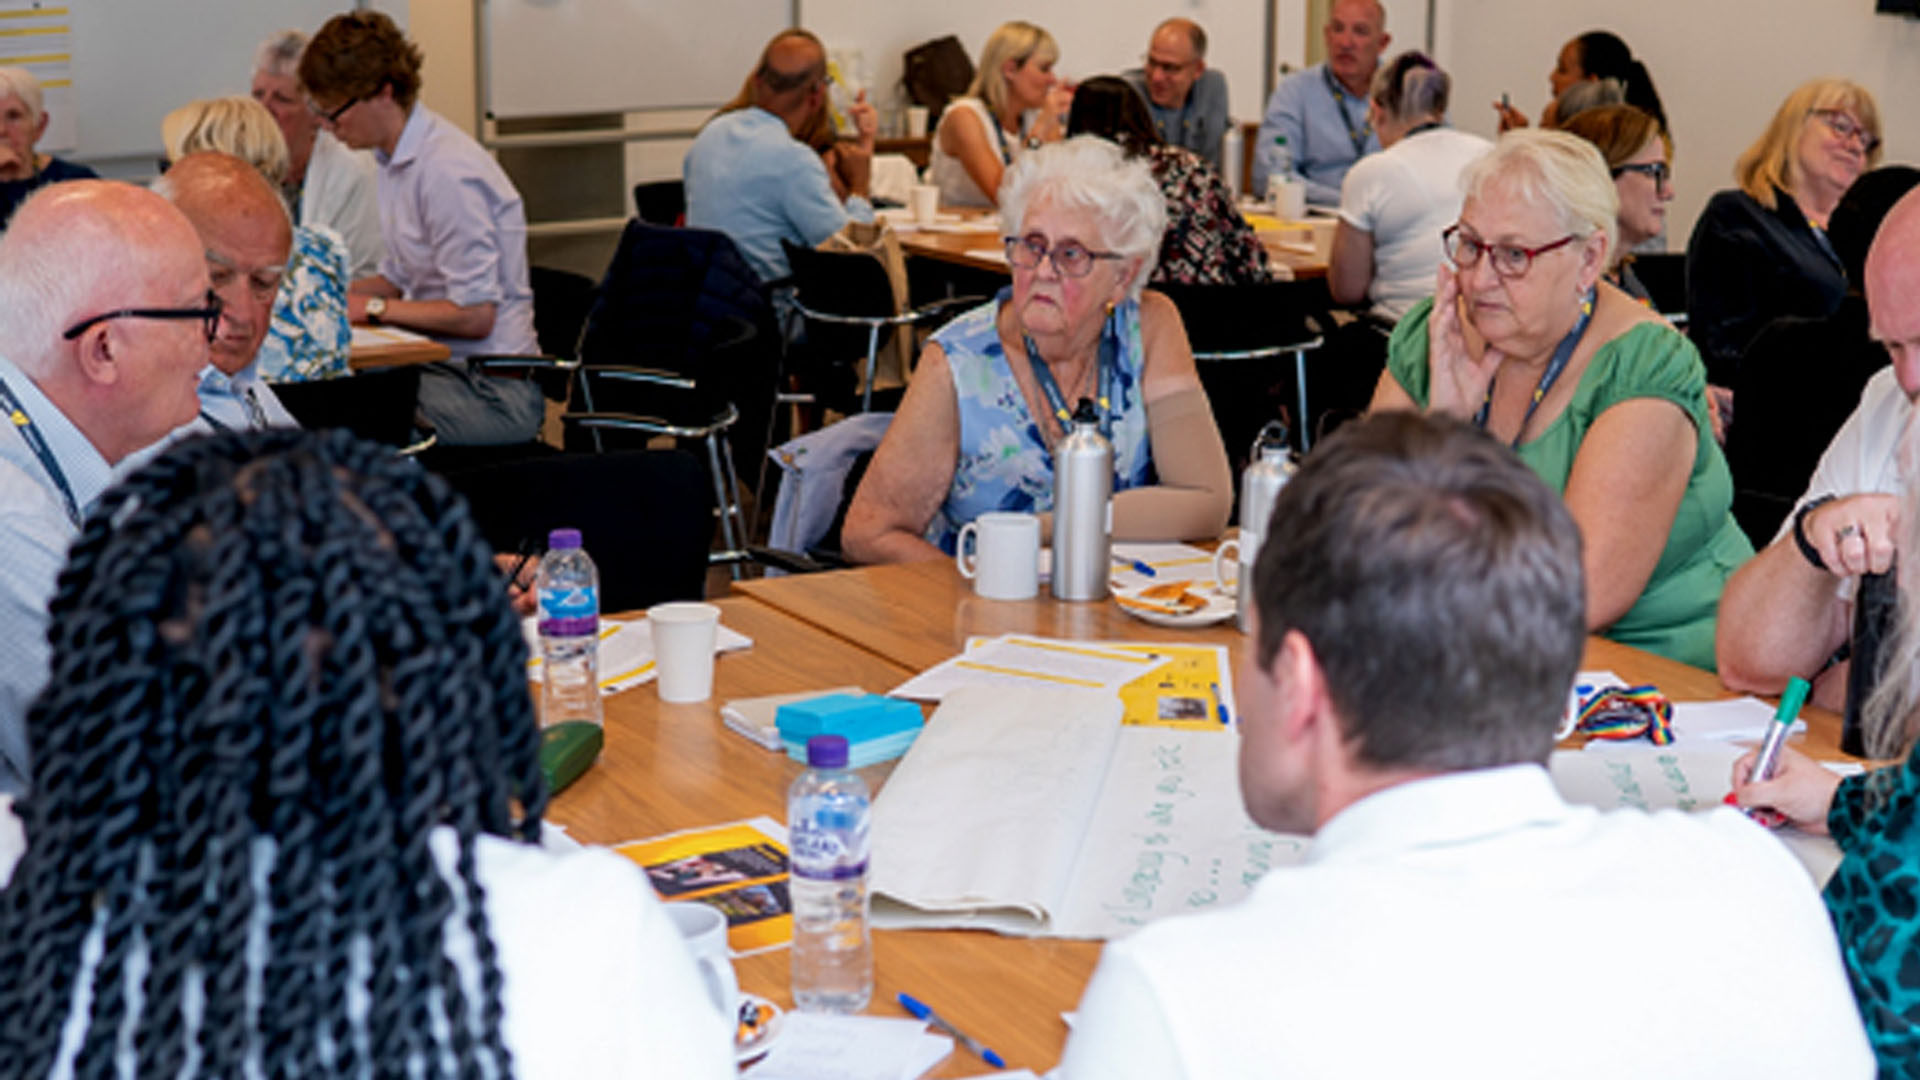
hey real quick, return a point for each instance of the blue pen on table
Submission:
(1135, 564)
(973, 1045)
(1783, 719)
(1220, 704)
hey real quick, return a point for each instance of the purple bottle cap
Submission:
(827, 752)
(560, 539)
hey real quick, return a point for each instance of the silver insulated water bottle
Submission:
(1269, 466)
(1082, 508)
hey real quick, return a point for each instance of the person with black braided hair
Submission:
(285, 796)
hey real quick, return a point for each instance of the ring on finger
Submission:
(1846, 531)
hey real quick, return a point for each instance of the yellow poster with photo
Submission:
(739, 869)
(1192, 690)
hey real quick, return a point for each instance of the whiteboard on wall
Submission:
(134, 61)
(565, 57)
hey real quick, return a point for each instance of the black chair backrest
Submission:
(561, 300)
(660, 202)
(840, 283)
(377, 404)
(646, 517)
(1665, 277)
(1236, 318)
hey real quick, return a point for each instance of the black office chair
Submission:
(847, 299)
(377, 404)
(1665, 278)
(646, 517)
(660, 202)
(1239, 333)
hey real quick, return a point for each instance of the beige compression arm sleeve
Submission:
(1195, 492)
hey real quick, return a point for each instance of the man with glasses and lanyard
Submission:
(105, 320)
(1322, 111)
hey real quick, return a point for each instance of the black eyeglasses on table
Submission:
(209, 316)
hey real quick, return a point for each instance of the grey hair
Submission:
(279, 55)
(1089, 173)
(1412, 87)
(1588, 94)
(44, 282)
(19, 82)
(1890, 717)
(1553, 169)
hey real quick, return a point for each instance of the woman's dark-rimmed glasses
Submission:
(1464, 249)
(1070, 259)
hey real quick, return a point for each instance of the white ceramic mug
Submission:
(926, 203)
(683, 639)
(1007, 563)
(917, 121)
(704, 929)
(1221, 560)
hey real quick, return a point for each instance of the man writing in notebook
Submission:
(1420, 613)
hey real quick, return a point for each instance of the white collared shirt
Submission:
(1475, 925)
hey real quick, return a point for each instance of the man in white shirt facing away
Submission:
(248, 236)
(1420, 616)
(104, 322)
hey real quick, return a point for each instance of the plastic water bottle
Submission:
(1082, 509)
(827, 826)
(569, 591)
(1231, 152)
(1282, 158)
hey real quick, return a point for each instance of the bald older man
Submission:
(747, 176)
(1788, 610)
(105, 317)
(247, 236)
(1188, 99)
(1322, 111)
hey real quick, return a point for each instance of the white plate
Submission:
(1220, 607)
(755, 1048)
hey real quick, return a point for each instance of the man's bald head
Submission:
(244, 227)
(1176, 58)
(792, 64)
(125, 260)
(76, 249)
(1893, 290)
(1186, 32)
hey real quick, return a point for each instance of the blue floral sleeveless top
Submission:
(1004, 462)
(308, 337)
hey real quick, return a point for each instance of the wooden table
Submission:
(671, 767)
(395, 353)
(958, 248)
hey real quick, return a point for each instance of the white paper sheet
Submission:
(1015, 662)
(1664, 778)
(1170, 562)
(819, 1046)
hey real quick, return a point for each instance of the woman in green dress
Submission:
(1604, 399)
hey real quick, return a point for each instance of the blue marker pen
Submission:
(973, 1045)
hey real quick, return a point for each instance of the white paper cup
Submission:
(917, 121)
(1006, 563)
(1289, 198)
(926, 203)
(683, 636)
(704, 930)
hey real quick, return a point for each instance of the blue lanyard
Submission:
(1555, 366)
(38, 444)
(1358, 136)
(1109, 346)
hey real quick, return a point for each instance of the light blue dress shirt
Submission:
(1322, 122)
(1200, 122)
(747, 176)
(35, 532)
(241, 401)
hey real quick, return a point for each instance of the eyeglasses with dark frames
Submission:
(1657, 171)
(1070, 260)
(1848, 128)
(209, 316)
(331, 117)
(1464, 249)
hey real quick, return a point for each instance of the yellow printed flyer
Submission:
(739, 869)
(1192, 690)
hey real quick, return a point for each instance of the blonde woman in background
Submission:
(309, 336)
(1015, 104)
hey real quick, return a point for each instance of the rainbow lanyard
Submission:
(1555, 366)
(38, 444)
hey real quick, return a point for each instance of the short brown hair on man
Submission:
(356, 54)
(1439, 583)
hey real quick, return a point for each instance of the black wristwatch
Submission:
(1807, 550)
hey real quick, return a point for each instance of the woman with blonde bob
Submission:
(1015, 104)
(1759, 252)
(309, 336)
(996, 386)
(1604, 399)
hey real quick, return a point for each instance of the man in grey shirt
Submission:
(1187, 99)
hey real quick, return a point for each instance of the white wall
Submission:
(1721, 66)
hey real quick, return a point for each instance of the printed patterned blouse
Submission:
(1004, 462)
(309, 334)
(1207, 241)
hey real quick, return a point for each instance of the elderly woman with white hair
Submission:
(326, 183)
(1604, 399)
(23, 122)
(994, 388)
